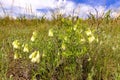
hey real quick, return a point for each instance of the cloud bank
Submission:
(17, 8)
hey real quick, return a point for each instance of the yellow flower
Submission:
(38, 57)
(63, 46)
(16, 44)
(91, 39)
(65, 38)
(58, 53)
(16, 56)
(26, 49)
(82, 40)
(75, 27)
(35, 57)
(88, 32)
(35, 33)
(50, 33)
(43, 55)
(34, 36)
(32, 55)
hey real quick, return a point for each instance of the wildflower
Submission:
(50, 33)
(34, 36)
(23, 45)
(91, 39)
(16, 44)
(75, 27)
(43, 55)
(58, 53)
(16, 56)
(89, 59)
(35, 33)
(11, 76)
(38, 57)
(101, 42)
(33, 54)
(26, 49)
(88, 32)
(115, 47)
(63, 46)
(82, 40)
(65, 38)
(35, 57)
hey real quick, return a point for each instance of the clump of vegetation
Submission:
(60, 49)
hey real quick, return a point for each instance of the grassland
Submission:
(63, 55)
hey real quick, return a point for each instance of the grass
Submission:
(76, 60)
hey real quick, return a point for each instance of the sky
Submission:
(39, 8)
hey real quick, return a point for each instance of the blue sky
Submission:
(39, 8)
(91, 2)
(98, 2)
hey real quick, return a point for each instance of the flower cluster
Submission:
(90, 35)
(35, 57)
(25, 48)
(34, 36)
(50, 33)
(16, 44)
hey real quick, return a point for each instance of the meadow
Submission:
(60, 49)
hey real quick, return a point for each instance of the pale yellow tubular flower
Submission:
(35, 33)
(35, 57)
(75, 27)
(89, 59)
(32, 55)
(88, 32)
(34, 36)
(58, 53)
(63, 46)
(20, 56)
(23, 45)
(26, 49)
(50, 33)
(91, 39)
(33, 60)
(43, 55)
(82, 40)
(65, 38)
(16, 44)
(16, 56)
(38, 57)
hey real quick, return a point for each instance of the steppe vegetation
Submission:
(64, 48)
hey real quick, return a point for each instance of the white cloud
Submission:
(84, 10)
(67, 7)
(33, 3)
